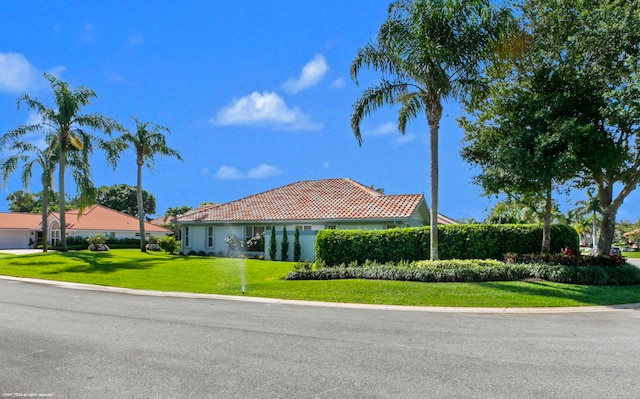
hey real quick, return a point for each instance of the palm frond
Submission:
(372, 99)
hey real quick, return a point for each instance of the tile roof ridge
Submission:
(367, 190)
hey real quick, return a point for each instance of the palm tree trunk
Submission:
(546, 230)
(434, 113)
(140, 209)
(45, 205)
(593, 230)
(62, 162)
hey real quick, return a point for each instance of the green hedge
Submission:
(473, 241)
(79, 243)
(473, 271)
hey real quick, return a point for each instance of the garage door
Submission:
(17, 239)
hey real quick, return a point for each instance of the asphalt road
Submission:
(65, 343)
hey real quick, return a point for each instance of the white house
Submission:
(310, 205)
(99, 220)
(19, 230)
(24, 230)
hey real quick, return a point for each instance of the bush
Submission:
(97, 239)
(475, 241)
(168, 244)
(256, 243)
(471, 271)
(272, 243)
(284, 245)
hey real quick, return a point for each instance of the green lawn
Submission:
(157, 271)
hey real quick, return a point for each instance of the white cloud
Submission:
(263, 170)
(312, 73)
(382, 130)
(404, 139)
(337, 84)
(260, 109)
(226, 172)
(16, 73)
(57, 71)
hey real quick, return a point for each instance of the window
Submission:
(304, 227)
(332, 227)
(186, 236)
(391, 226)
(112, 234)
(252, 231)
(210, 236)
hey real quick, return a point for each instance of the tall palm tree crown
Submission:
(69, 128)
(428, 51)
(147, 142)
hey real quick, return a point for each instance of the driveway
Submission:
(68, 343)
(20, 251)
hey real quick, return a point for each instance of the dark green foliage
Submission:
(272, 243)
(123, 198)
(472, 271)
(284, 245)
(168, 244)
(256, 243)
(473, 241)
(566, 260)
(296, 245)
(78, 243)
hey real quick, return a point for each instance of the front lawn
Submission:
(158, 271)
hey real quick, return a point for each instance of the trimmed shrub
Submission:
(284, 245)
(473, 241)
(256, 243)
(471, 271)
(169, 244)
(296, 245)
(272, 243)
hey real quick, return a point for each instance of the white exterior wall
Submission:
(16, 238)
(118, 234)
(198, 238)
(198, 235)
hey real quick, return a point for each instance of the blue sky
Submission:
(257, 94)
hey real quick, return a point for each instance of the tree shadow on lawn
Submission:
(102, 262)
(582, 294)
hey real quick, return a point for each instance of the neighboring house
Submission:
(19, 230)
(98, 219)
(310, 205)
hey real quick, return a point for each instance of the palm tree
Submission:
(428, 51)
(70, 127)
(591, 206)
(147, 141)
(30, 155)
(43, 158)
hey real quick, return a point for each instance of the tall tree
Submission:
(30, 154)
(428, 51)
(69, 127)
(20, 200)
(591, 206)
(124, 198)
(522, 135)
(147, 142)
(596, 42)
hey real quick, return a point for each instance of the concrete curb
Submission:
(431, 309)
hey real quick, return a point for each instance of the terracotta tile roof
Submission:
(98, 217)
(442, 219)
(330, 199)
(15, 220)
